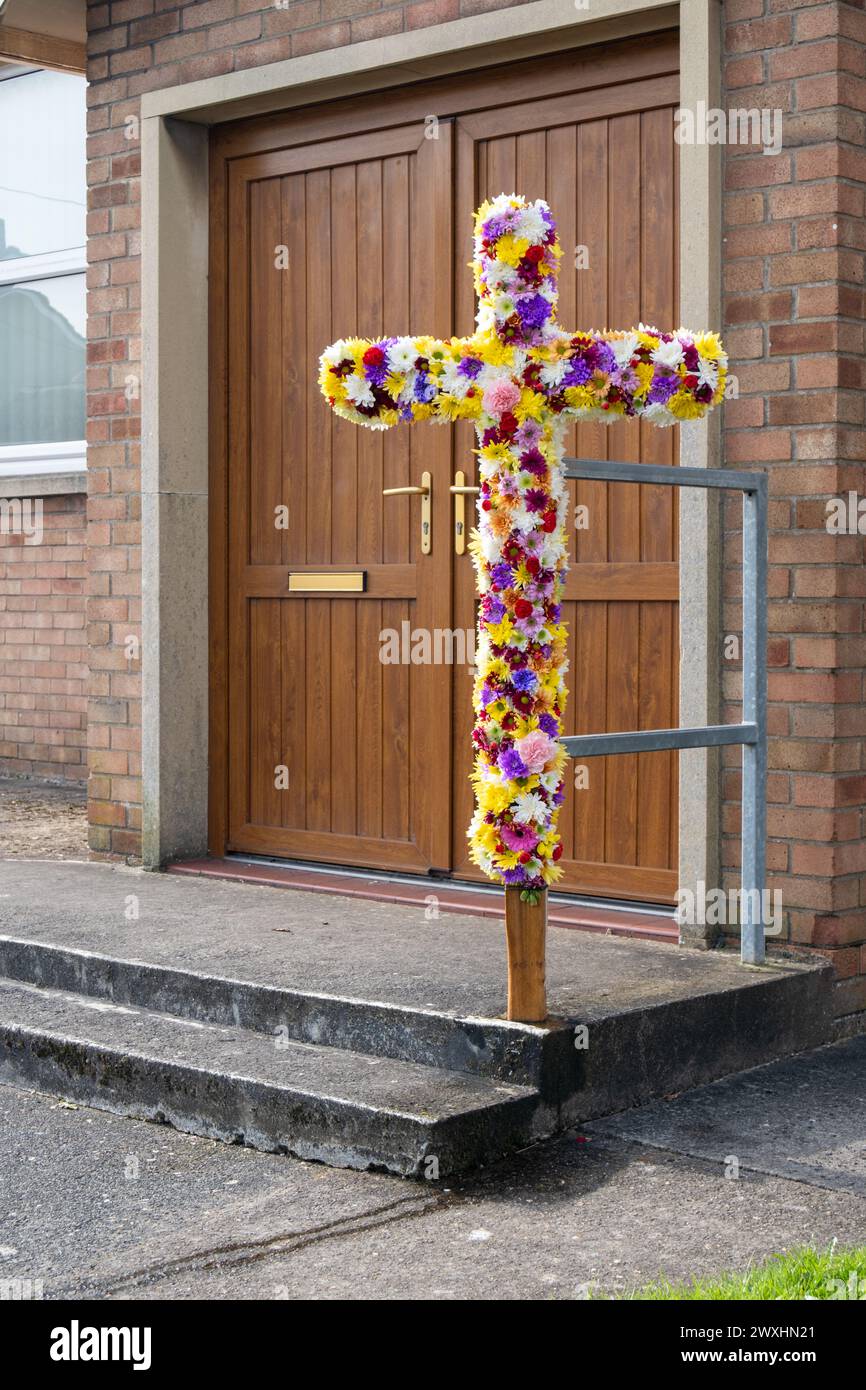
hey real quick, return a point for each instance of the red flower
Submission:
(522, 608)
(507, 423)
(548, 522)
(533, 564)
(535, 253)
(525, 857)
(690, 381)
(486, 504)
(374, 357)
(557, 852)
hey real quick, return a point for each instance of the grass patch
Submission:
(836, 1273)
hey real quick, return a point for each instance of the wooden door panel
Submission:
(609, 173)
(327, 242)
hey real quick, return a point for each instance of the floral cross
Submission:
(520, 378)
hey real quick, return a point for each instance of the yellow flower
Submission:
(510, 248)
(500, 633)
(530, 405)
(580, 398)
(685, 407)
(493, 796)
(394, 384)
(644, 372)
(709, 345)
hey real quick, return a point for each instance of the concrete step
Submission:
(395, 1048)
(341, 1107)
(511, 1052)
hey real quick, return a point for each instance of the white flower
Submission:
(500, 275)
(553, 372)
(359, 390)
(623, 349)
(669, 355)
(550, 780)
(335, 353)
(658, 414)
(453, 380)
(524, 520)
(531, 224)
(491, 547)
(529, 807)
(402, 355)
(708, 373)
(503, 306)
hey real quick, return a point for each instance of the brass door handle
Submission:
(425, 492)
(459, 491)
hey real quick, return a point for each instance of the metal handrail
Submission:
(751, 732)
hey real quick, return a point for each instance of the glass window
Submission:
(43, 199)
(42, 163)
(42, 360)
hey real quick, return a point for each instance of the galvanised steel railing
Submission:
(751, 732)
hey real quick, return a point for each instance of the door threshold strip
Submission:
(605, 917)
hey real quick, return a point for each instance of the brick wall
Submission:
(795, 236)
(43, 657)
(794, 325)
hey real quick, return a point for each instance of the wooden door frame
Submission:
(178, 426)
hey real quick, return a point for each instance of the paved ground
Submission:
(108, 1208)
(42, 822)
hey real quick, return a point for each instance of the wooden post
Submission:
(525, 930)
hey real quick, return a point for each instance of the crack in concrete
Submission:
(241, 1253)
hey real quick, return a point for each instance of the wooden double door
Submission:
(356, 218)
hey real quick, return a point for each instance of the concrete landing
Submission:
(422, 994)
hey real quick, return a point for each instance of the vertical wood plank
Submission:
(624, 203)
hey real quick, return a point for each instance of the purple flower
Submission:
(528, 435)
(662, 388)
(511, 764)
(494, 609)
(514, 876)
(534, 310)
(578, 372)
(600, 357)
(425, 390)
(524, 681)
(502, 575)
(533, 461)
(470, 366)
(549, 725)
(536, 499)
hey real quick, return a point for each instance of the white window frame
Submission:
(66, 456)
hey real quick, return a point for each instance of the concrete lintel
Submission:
(474, 42)
(43, 485)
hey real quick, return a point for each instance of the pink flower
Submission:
(536, 749)
(500, 396)
(518, 837)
